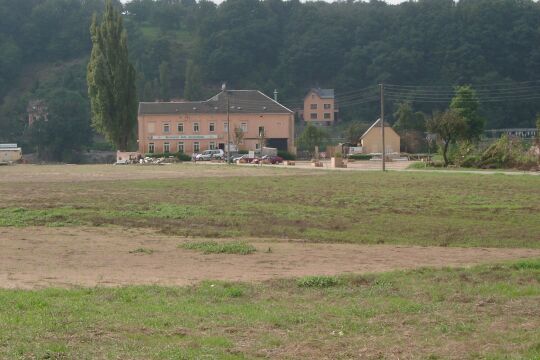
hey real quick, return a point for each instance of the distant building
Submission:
(194, 126)
(320, 107)
(36, 109)
(371, 140)
(10, 153)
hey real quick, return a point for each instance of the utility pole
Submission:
(228, 146)
(381, 86)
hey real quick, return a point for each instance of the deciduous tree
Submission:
(466, 104)
(448, 126)
(66, 129)
(312, 136)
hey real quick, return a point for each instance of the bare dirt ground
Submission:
(38, 257)
(82, 173)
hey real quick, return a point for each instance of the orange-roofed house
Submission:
(320, 107)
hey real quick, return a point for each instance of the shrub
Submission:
(418, 165)
(463, 154)
(183, 156)
(507, 153)
(285, 155)
(318, 281)
(470, 161)
(338, 155)
(360, 157)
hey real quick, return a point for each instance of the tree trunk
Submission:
(445, 150)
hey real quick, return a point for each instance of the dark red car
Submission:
(271, 159)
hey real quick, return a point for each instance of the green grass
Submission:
(214, 247)
(443, 209)
(485, 312)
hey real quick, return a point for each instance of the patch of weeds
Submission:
(214, 247)
(533, 264)
(382, 287)
(318, 281)
(234, 292)
(142, 251)
(220, 289)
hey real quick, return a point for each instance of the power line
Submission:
(482, 92)
(485, 93)
(472, 85)
(359, 101)
(434, 100)
(449, 97)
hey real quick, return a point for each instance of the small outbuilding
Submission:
(10, 153)
(371, 140)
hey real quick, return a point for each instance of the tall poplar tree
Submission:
(111, 80)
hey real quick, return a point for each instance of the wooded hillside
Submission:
(290, 46)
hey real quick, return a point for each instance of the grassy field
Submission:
(483, 312)
(444, 209)
(488, 312)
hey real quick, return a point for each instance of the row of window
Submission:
(314, 106)
(180, 147)
(313, 116)
(196, 127)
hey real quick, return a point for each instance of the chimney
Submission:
(275, 95)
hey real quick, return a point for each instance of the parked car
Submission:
(244, 158)
(268, 159)
(208, 155)
(232, 156)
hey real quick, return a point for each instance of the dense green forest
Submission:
(186, 49)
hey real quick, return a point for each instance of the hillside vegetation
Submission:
(272, 44)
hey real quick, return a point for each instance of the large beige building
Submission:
(371, 140)
(320, 107)
(194, 126)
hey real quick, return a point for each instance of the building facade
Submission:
(194, 126)
(320, 107)
(371, 140)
